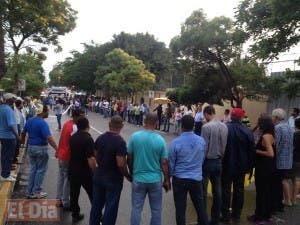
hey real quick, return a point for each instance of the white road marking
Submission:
(93, 128)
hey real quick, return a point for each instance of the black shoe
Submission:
(236, 220)
(225, 220)
(77, 218)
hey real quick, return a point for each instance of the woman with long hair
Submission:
(265, 167)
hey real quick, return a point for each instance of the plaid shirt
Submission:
(284, 145)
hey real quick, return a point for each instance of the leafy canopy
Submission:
(39, 21)
(210, 50)
(79, 70)
(123, 74)
(29, 66)
(273, 25)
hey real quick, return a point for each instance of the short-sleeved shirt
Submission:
(7, 119)
(38, 131)
(82, 148)
(68, 130)
(148, 148)
(108, 146)
(284, 136)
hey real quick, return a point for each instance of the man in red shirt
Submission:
(63, 156)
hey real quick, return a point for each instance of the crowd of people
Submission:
(207, 149)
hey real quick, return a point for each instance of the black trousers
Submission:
(237, 180)
(277, 193)
(76, 181)
(18, 144)
(159, 122)
(181, 187)
(263, 184)
(198, 126)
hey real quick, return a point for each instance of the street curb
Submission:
(6, 189)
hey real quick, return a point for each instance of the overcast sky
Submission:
(99, 20)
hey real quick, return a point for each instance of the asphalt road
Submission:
(99, 124)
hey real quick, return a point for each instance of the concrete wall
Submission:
(285, 103)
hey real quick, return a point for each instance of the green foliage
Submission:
(209, 52)
(291, 87)
(154, 54)
(249, 76)
(41, 21)
(29, 68)
(79, 70)
(123, 74)
(273, 25)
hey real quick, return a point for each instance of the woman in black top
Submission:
(296, 160)
(264, 170)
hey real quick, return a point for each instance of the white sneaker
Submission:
(40, 195)
(9, 178)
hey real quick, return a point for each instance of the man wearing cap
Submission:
(38, 138)
(8, 136)
(238, 160)
(214, 133)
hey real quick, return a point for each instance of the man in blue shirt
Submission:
(8, 136)
(38, 138)
(186, 156)
(147, 158)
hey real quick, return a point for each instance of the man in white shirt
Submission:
(105, 108)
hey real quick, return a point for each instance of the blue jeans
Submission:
(181, 187)
(106, 193)
(212, 169)
(38, 156)
(58, 117)
(7, 155)
(138, 195)
(63, 183)
(166, 124)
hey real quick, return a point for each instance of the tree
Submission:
(273, 25)
(79, 70)
(154, 54)
(40, 21)
(29, 66)
(209, 47)
(35, 22)
(123, 75)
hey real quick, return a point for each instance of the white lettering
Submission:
(12, 210)
(20, 211)
(34, 210)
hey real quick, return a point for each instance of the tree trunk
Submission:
(16, 73)
(236, 95)
(2, 53)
